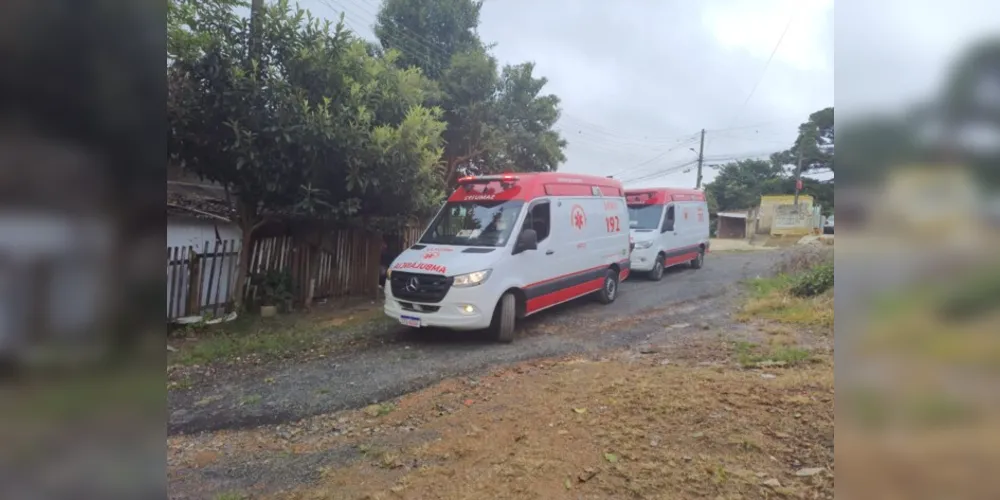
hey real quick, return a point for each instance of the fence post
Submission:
(194, 282)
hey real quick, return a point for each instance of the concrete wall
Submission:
(767, 209)
(789, 221)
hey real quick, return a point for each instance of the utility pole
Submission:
(701, 158)
(798, 178)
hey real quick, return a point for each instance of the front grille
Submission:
(429, 288)
(409, 306)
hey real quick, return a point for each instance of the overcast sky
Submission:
(639, 79)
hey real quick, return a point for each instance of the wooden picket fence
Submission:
(349, 267)
(202, 280)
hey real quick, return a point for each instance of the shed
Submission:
(732, 224)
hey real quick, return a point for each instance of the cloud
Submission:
(639, 79)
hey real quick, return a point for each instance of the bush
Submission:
(803, 258)
(814, 282)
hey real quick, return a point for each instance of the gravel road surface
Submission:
(692, 301)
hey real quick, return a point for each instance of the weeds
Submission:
(250, 400)
(797, 295)
(803, 260)
(263, 337)
(750, 355)
(814, 282)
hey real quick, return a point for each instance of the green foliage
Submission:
(498, 119)
(275, 287)
(428, 33)
(815, 140)
(740, 184)
(814, 282)
(750, 355)
(315, 126)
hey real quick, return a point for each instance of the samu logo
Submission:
(577, 217)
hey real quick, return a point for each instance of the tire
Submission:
(504, 318)
(609, 290)
(657, 273)
(699, 261)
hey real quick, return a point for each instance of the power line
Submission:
(408, 39)
(689, 140)
(662, 172)
(770, 58)
(763, 72)
(598, 136)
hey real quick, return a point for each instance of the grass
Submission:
(380, 410)
(771, 298)
(250, 400)
(264, 337)
(751, 355)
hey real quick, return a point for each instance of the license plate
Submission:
(410, 321)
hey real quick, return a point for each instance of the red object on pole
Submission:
(798, 184)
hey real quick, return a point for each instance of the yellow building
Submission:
(768, 209)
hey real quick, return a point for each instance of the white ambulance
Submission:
(669, 226)
(507, 246)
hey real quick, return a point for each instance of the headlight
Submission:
(471, 279)
(644, 244)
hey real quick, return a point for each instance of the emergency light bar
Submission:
(505, 180)
(640, 197)
(486, 179)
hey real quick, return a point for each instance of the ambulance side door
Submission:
(534, 266)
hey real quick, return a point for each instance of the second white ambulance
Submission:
(507, 246)
(669, 226)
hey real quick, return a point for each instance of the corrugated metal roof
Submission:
(735, 215)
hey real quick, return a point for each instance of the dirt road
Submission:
(689, 300)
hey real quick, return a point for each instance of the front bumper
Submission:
(642, 259)
(450, 313)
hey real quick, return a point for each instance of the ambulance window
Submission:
(668, 221)
(539, 219)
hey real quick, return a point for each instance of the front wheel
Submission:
(698, 261)
(504, 318)
(657, 273)
(609, 290)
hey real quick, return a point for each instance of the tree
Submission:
(739, 185)
(429, 33)
(530, 144)
(815, 140)
(315, 126)
(498, 120)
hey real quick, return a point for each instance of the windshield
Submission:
(644, 216)
(482, 224)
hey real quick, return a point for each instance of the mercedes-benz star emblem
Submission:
(412, 285)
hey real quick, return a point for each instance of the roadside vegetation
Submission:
(747, 413)
(799, 294)
(194, 352)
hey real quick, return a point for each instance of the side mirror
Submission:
(527, 240)
(668, 226)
